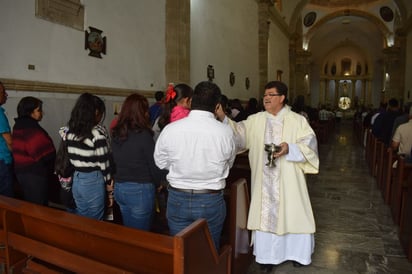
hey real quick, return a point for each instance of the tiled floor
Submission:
(355, 232)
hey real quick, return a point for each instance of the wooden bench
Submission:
(380, 153)
(240, 169)
(237, 236)
(372, 154)
(388, 174)
(405, 228)
(82, 245)
(402, 172)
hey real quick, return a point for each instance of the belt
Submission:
(196, 191)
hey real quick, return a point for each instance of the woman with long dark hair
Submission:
(136, 175)
(90, 154)
(176, 106)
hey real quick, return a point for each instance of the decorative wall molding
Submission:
(69, 13)
(24, 85)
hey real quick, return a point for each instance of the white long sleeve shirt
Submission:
(197, 150)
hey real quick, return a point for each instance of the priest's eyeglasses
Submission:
(272, 94)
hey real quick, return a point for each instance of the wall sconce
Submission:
(210, 73)
(231, 79)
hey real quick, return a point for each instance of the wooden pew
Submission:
(368, 146)
(380, 152)
(240, 169)
(402, 172)
(82, 245)
(238, 237)
(372, 156)
(387, 174)
(405, 228)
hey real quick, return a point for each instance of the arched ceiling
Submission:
(354, 22)
(338, 31)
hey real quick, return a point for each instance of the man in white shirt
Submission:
(402, 139)
(198, 151)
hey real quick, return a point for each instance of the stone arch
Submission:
(294, 19)
(349, 12)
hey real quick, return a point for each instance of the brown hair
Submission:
(134, 116)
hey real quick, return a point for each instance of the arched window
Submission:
(358, 69)
(333, 69)
(346, 65)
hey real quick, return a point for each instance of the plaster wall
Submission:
(226, 38)
(135, 45)
(278, 54)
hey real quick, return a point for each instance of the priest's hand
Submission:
(284, 149)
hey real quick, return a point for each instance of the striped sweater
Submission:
(90, 154)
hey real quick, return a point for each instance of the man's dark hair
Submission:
(159, 95)
(206, 96)
(393, 102)
(280, 87)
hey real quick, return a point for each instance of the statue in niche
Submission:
(344, 88)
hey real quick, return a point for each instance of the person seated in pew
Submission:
(382, 127)
(402, 139)
(33, 152)
(401, 119)
(136, 175)
(198, 152)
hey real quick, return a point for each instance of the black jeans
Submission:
(34, 187)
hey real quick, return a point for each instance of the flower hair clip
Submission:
(170, 93)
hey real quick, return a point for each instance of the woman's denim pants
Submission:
(136, 202)
(89, 193)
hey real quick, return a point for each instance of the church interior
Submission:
(347, 56)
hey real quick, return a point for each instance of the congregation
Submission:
(141, 156)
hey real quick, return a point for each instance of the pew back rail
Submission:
(84, 245)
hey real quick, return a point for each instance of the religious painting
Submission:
(94, 42)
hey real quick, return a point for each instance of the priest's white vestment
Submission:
(280, 214)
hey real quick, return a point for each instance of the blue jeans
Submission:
(185, 208)
(136, 202)
(6, 179)
(89, 193)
